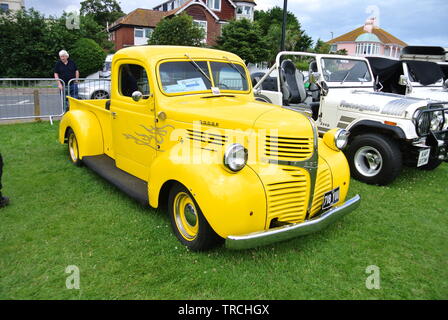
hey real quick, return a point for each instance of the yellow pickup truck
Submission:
(182, 129)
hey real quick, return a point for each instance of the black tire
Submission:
(188, 223)
(73, 148)
(262, 98)
(374, 159)
(100, 94)
(431, 165)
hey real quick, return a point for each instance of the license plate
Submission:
(331, 198)
(423, 157)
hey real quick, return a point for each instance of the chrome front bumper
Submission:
(289, 231)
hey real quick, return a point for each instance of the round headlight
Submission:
(235, 157)
(436, 120)
(341, 138)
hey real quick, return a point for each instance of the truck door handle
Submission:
(114, 115)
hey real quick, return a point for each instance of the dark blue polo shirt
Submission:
(67, 71)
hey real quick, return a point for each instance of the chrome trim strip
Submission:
(311, 164)
(292, 230)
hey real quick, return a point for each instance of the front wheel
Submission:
(188, 223)
(374, 159)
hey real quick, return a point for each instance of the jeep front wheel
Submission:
(374, 159)
(188, 222)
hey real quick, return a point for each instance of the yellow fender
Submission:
(232, 203)
(87, 129)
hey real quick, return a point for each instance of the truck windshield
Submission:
(345, 70)
(185, 77)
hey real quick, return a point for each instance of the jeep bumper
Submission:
(290, 231)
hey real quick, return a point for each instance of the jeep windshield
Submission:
(345, 70)
(193, 76)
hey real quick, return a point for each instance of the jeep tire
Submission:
(188, 223)
(374, 159)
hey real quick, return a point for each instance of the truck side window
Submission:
(133, 78)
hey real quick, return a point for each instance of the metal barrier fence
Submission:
(87, 88)
(37, 98)
(28, 98)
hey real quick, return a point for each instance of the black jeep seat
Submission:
(291, 80)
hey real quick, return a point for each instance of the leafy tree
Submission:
(102, 11)
(29, 42)
(88, 55)
(23, 45)
(271, 21)
(179, 30)
(321, 47)
(245, 39)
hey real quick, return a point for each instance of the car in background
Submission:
(97, 85)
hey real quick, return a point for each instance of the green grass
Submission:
(61, 215)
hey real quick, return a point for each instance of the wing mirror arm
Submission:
(137, 96)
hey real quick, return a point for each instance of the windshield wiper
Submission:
(236, 68)
(346, 76)
(198, 68)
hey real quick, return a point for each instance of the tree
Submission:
(179, 30)
(88, 55)
(245, 39)
(29, 42)
(102, 11)
(271, 21)
(24, 49)
(321, 47)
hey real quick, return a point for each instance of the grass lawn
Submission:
(62, 215)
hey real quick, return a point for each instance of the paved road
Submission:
(23, 105)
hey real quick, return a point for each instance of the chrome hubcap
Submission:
(368, 161)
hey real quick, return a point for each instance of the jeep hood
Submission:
(433, 93)
(380, 103)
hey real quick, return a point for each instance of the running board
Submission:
(105, 167)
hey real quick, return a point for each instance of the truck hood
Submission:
(433, 93)
(380, 103)
(228, 112)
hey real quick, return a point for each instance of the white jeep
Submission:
(386, 130)
(419, 73)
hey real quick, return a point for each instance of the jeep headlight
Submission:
(235, 157)
(336, 139)
(437, 121)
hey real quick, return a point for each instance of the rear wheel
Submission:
(73, 148)
(374, 159)
(188, 222)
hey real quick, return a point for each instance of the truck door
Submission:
(133, 122)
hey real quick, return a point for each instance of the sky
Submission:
(416, 22)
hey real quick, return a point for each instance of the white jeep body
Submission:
(351, 103)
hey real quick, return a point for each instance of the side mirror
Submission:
(403, 80)
(314, 77)
(324, 88)
(445, 84)
(137, 96)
